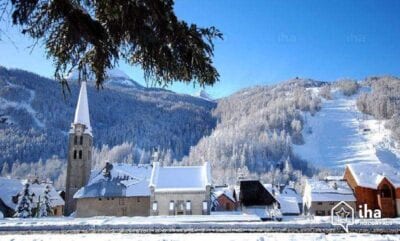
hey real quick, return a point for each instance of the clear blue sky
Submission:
(270, 41)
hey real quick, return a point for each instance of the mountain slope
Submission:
(35, 119)
(340, 134)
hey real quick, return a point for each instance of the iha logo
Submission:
(342, 214)
(365, 212)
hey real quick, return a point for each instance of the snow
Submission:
(82, 109)
(227, 191)
(180, 178)
(288, 205)
(126, 180)
(8, 189)
(338, 135)
(371, 175)
(203, 95)
(200, 237)
(39, 189)
(327, 191)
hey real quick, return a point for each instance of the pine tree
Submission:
(24, 206)
(45, 204)
(93, 35)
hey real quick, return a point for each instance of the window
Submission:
(386, 192)
(81, 140)
(99, 199)
(319, 203)
(121, 201)
(205, 207)
(138, 199)
(124, 211)
(75, 154)
(155, 207)
(75, 140)
(188, 205)
(171, 208)
(320, 213)
(80, 154)
(331, 203)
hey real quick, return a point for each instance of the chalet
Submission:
(320, 196)
(225, 199)
(257, 200)
(117, 190)
(10, 190)
(377, 185)
(180, 190)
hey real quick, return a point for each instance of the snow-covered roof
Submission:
(292, 193)
(125, 180)
(323, 190)
(8, 189)
(227, 191)
(288, 204)
(82, 109)
(370, 175)
(39, 188)
(180, 178)
(12, 187)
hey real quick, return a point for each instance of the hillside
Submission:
(340, 134)
(276, 133)
(35, 118)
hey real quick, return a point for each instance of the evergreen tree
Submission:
(24, 206)
(45, 204)
(93, 35)
(5, 170)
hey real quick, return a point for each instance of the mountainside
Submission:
(279, 132)
(35, 119)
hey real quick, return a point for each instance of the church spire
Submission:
(82, 109)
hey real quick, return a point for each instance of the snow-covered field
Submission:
(198, 237)
(340, 134)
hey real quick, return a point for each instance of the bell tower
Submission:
(79, 151)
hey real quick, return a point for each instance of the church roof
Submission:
(180, 178)
(82, 109)
(122, 180)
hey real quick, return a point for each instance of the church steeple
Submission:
(79, 150)
(82, 109)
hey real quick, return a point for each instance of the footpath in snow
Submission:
(339, 134)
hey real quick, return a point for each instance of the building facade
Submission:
(79, 151)
(320, 196)
(180, 190)
(376, 185)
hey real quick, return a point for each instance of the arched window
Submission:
(81, 141)
(80, 154)
(385, 191)
(75, 140)
(75, 154)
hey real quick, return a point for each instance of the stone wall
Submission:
(118, 206)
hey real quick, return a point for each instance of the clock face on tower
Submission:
(79, 129)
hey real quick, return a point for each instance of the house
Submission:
(180, 190)
(320, 196)
(225, 199)
(117, 190)
(257, 200)
(290, 202)
(376, 185)
(57, 203)
(10, 190)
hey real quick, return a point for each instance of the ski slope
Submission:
(339, 134)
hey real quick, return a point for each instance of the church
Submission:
(121, 189)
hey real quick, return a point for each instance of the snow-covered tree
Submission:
(24, 206)
(45, 204)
